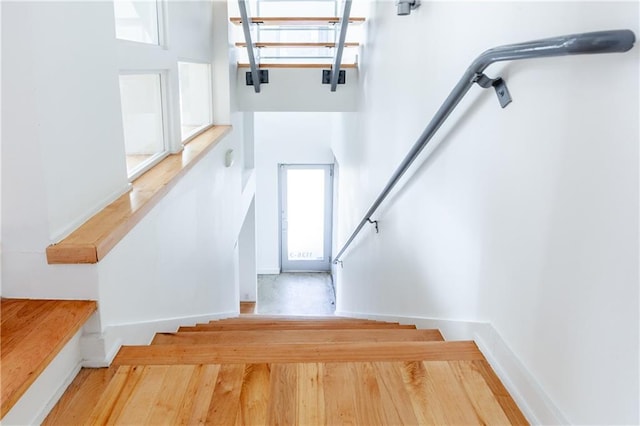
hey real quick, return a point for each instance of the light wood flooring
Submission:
(256, 370)
(31, 335)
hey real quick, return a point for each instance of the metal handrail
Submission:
(575, 44)
(246, 22)
(337, 59)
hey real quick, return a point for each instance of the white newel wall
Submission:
(63, 160)
(525, 218)
(283, 138)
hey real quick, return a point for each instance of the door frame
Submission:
(304, 265)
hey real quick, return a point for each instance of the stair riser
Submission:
(294, 326)
(296, 336)
(296, 352)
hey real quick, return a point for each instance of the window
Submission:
(137, 21)
(142, 117)
(195, 97)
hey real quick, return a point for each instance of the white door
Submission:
(306, 195)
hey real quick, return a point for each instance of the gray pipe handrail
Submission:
(246, 29)
(342, 36)
(575, 44)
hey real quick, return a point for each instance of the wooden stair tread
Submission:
(300, 325)
(296, 65)
(295, 336)
(31, 335)
(296, 44)
(297, 20)
(243, 381)
(297, 352)
(81, 396)
(367, 393)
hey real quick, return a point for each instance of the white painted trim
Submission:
(533, 401)
(61, 234)
(99, 349)
(269, 271)
(36, 403)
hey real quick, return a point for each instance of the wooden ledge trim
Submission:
(97, 236)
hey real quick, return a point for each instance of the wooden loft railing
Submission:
(295, 65)
(297, 20)
(96, 237)
(294, 44)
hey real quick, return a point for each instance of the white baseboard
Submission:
(99, 349)
(532, 400)
(268, 271)
(36, 403)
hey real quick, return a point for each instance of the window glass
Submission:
(137, 21)
(296, 8)
(195, 97)
(141, 97)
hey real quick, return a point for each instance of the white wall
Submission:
(63, 159)
(178, 261)
(283, 138)
(527, 217)
(298, 89)
(247, 251)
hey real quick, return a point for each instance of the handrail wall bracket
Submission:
(502, 91)
(374, 223)
(574, 44)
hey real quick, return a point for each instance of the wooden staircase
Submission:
(292, 370)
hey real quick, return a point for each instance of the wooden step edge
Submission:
(296, 336)
(292, 326)
(296, 20)
(297, 352)
(33, 351)
(256, 318)
(296, 65)
(296, 44)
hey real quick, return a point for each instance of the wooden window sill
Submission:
(97, 236)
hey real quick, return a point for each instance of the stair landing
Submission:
(31, 335)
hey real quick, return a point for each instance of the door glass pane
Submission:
(305, 214)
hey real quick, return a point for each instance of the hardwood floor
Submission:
(32, 333)
(225, 378)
